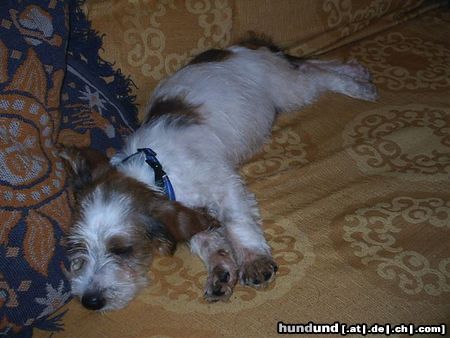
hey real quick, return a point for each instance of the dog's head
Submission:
(118, 224)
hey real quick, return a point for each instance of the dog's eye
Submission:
(76, 264)
(122, 250)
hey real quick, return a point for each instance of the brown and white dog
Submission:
(203, 122)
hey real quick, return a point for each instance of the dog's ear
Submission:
(162, 241)
(83, 165)
(173, 222)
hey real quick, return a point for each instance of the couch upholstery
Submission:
(354, 195)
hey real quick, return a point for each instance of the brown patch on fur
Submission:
(295, 61)
(83, 165)
(257, 41)
(158, 223)
(119, 245)
(181, 222)
(212, 55)
(173, 111)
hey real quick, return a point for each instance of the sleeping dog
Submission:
(177, 179)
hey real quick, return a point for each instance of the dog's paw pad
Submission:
(259, 272)
(220, 284)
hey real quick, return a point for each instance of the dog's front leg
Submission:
(215, 251)
(239, 214)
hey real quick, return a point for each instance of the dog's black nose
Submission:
(93, 301)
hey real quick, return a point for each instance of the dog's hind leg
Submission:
(306, 80)
(351, 68)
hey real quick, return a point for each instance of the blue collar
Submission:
(161, 179)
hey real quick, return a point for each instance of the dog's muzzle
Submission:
(93, 301)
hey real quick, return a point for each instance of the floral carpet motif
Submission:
(383, 236)
(396, 141)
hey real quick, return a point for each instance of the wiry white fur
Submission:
(103, 217)
(238, 99)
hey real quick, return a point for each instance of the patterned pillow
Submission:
(45, 99)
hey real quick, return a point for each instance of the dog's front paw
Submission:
(220, 283)
(258, 272)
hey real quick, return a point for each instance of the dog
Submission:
(176, 179)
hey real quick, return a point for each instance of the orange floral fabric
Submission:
(34, 205)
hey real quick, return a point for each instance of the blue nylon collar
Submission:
(161, 178)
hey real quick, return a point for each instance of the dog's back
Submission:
(235, 97)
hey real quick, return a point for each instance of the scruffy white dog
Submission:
(203, 122)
